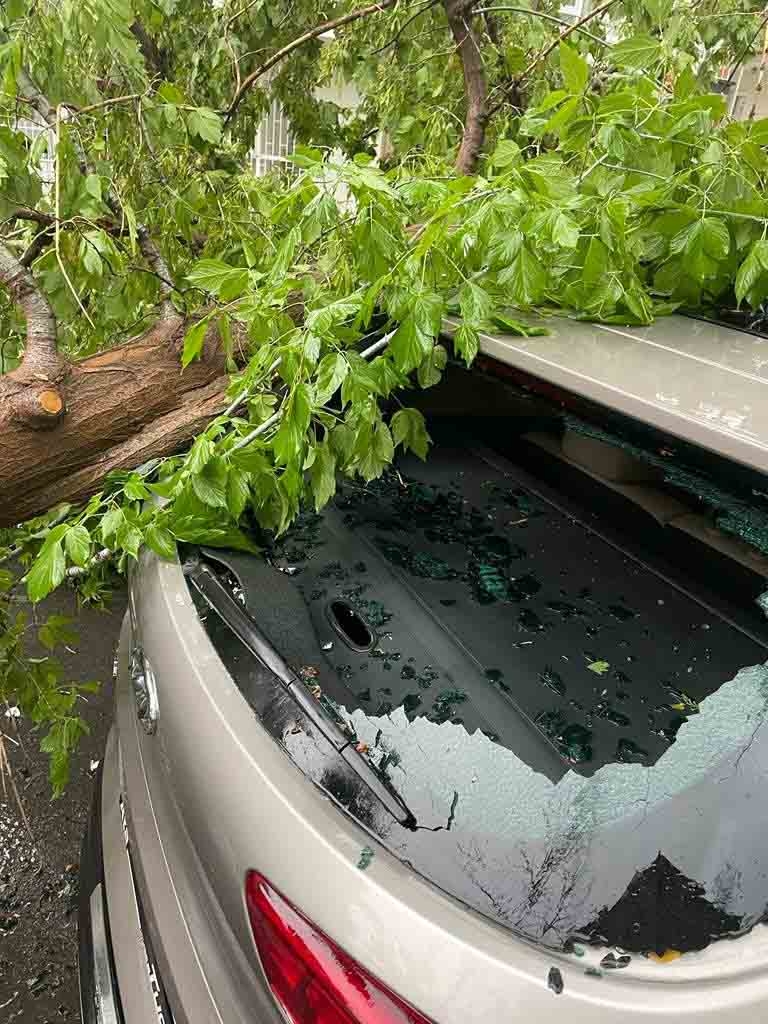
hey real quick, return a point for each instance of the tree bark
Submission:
(459, 14)
(119, 408)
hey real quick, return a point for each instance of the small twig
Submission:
(6, 773)
(427, 6)
(262, 428)
(239, 14)
(543, 15)
(57, 224)
(543, 54)
(245, 392)
(318, 30)
(747, 49)
(102, 104)
(161, 270)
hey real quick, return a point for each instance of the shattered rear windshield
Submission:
(578, 737)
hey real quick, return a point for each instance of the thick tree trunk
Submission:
(63, 429)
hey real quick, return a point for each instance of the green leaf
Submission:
(370, 300)
(54, 535)
(565, 231)
(705, 243)
(751, 270)
(238, 492)
(475, 303)
(15, 9)
(574, 68)
(322, 475)
(282, 261)
(515, 59)
(508, 325)
(430, 370)
(409, 345)
(640, 52)
(194, 340)
(135, 489)
(466, 341)
(160, 540)
(57, 630)
(504, 248)
(410, 431)
(562, 117)
(362, 380)
(210, 484)
(77, 542)
(46, 573)
(428, 308)
(596, 261)
(129, 539)
(659, 10)
(506, 154)
(219, 278)
(377, 454)
(525, 278)
(599, 667)
(715, 238)
(110, 524)
(291, 434)
(93, 186)
(331, 372)
(200, 452)
(90, 258)
(205, 124)
(304, 156)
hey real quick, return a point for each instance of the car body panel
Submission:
(196, 949)
(210, 752)
(188, 810)
(698, 381)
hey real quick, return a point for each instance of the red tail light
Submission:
(313, 979)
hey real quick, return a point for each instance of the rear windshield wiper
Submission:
(236, 618)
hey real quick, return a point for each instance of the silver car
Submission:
(481, 742)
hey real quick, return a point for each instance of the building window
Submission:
(575, 9)
(33, 130)
(274, 141)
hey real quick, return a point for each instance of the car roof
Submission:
(702, 382)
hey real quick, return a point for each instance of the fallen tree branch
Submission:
(163, 436)
(41, 403)
(313, 33)
(113, 399)
(459, 14)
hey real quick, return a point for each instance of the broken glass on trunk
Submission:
(574, 733)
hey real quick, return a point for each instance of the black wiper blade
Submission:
(218, 597)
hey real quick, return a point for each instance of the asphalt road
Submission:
(39, 860)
